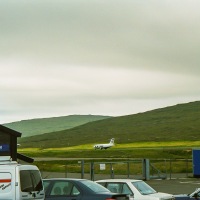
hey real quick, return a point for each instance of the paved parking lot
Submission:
(175, 186)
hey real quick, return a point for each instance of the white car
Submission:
(137, 189)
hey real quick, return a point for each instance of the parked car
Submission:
(194, 195)
(78, 189)
(136, 189)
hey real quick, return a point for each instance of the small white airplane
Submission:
(105, 146)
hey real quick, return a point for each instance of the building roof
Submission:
(10, 131)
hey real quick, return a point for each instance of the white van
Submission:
(20, 182)
(136, 189)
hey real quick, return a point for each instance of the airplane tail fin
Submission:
(112, 141)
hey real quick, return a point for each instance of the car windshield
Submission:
(143, 188)
(95, 187)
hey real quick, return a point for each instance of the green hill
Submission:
(175, 123)
(47, 125)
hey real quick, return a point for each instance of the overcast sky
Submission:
(101, 57)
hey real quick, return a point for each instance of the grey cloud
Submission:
(153, 34)
(76, 56)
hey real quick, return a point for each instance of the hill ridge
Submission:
(45, 125)
(173, 123)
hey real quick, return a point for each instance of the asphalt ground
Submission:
(175, 186)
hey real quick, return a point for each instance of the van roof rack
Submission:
(5, 158)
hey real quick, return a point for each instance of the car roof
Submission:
(119, 180)
(69, 179)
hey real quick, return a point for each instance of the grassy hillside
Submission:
(46, 125)
(176, 123)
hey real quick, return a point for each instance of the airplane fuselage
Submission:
(104, 146)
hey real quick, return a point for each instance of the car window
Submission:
(197, 194)
(119, 188)
(46, 185)
(102, 183)
(143, 188)
(75, 191)
(30, 181)
(114, 187)
(95, 187)
(126, 190)
(64, 188)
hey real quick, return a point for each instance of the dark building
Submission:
(8, 144)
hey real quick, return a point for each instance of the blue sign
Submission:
(196, 162)
(4, 147)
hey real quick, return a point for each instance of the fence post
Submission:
(92, 171)
(111, 171)
(82, 169)
(65, 171)
(146, 172)
(186, 167)
(170, 169)
(128, 169)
